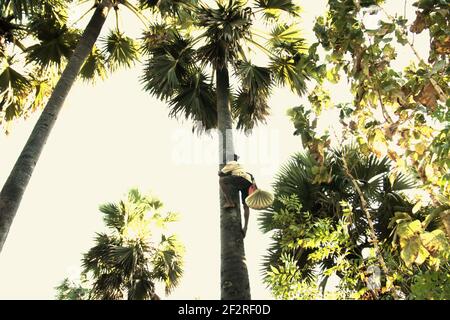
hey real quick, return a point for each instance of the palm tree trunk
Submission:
(20, 175)
(234, 282)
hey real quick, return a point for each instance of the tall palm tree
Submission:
(322, 199)
(128, 261)
(55, 42)
(178, 71)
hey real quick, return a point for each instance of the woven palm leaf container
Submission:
(259, 200)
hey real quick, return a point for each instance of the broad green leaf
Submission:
(410, 251)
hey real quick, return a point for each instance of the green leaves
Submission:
(286, 39)
(224, 31)
(14, 89)
(289, 72)
(418, 245)
(195, 99)
(19, 8)
(255, 79)
(94, 66)
(249, 109)
(127, 261)
(250, 105)
(121, 51)
(273, 8)
(171, 63)
(54, 48)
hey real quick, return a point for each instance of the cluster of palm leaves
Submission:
(33, 38)
(37, 39)
(382, 191)
(179, 63)
(127, 261)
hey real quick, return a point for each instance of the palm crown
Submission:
(179, 63)
(128, 260)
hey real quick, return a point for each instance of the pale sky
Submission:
(114, 136)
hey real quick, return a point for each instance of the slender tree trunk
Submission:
(20, 175)
(234, 282)
(373, 235)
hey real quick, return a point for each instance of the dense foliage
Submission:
(128, 260)
(332, 204)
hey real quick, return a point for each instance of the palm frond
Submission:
(126, 258)
(14, 89)
(98, 258)
(286, 39)
(114, 216)
(290, 71)
(94, 66)
(168, 263)
(255, 79)
(142, 287)
(196, 100)
(121, 51)
(170, 66)
(249, 109)
(54, 48)
(108, 286)
(273, 8)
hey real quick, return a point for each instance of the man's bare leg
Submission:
(246, 216)
(225, 188)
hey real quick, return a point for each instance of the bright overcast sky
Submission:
(114, 136)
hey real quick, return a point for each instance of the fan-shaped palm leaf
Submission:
(272, 8)
(249, 109)
(286, 39)
(168, 264)
(94, 66)
(121, 51)
(195, 99)
(288, 72)
(170, 66)
(142, 287)
(54, 48)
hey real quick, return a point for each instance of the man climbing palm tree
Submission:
(233, 175)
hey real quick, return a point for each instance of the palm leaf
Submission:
(94, 66)
(196, 100)
(113, 215)
(142, 287)
(288, 71)
(121, 51)
(171, 63)
(168, 263)
(53, 51)
(249, 109)
(14, 89)
(286, 38)
(255, 79)
(273, 8)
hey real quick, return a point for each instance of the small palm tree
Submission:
(322, 199)
(59, 47)
(129, 260)
(181, 69)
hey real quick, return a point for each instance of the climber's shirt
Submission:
(236, 170)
